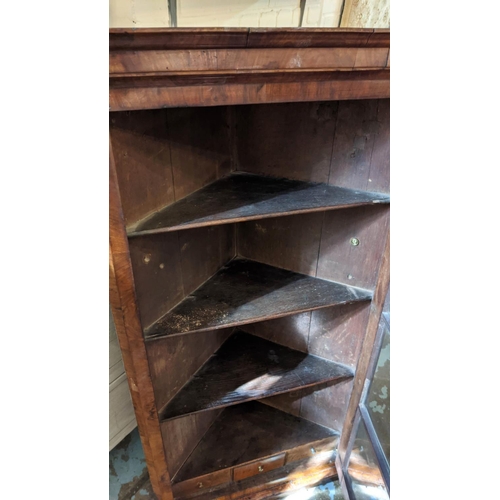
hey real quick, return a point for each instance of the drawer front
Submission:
(312, 449)
(254, 468)
(201, 483)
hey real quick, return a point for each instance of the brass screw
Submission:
(354, 242)
(200, 485)
(261, 469)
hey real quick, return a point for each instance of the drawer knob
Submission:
(261, 469)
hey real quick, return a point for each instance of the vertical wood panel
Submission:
(142, 156)
(327, 406)
(380, 161)
(174, 360)
(367, 347)
(200, 147)
(289, 402)
(180, 436)
(164, 155)
(339, 260)
(290, 242)
(287, 140)
(337, 332)
(360, 157)
(169, 266)
(203, 252)
(290, 331)
(157, 274)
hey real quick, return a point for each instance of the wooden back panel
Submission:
(341, 143)
(164, 155)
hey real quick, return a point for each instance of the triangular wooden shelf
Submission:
(241, 434)
(247, 367)
(246, 291)
(241, 196)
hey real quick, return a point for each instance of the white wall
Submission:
(138, 13)
(366, 14)
(225, 13)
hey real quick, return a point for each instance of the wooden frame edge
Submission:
(129, 333)
(364, 361)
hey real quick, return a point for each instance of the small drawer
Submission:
(201, 483)
(254, 468)
(311, 450)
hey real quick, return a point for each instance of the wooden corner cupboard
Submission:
(249, 223)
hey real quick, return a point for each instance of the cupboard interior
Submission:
(282, 261)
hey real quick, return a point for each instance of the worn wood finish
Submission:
(318, 37)
(277, 483)
(154, 61)
(203, 483)
(255, 468)
(225, 77)
(158, 275)
(247, 368)
(348, 142)
(291, 243)
(200, 147)
(360, 156)
(165, 155)
(210, 38)
(245, 291)
(129, 331)
(242, 196)
(174, 360)
(145, 67)
(126, 99)
(292, 140)
(291, 331)
(336, 333)
(169, 266)
(248, 427)
(344, 262)
(142, 162)
(176, 38)
(367, 347)
(328, 405)
(181, 435)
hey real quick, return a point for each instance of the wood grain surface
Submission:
(242, 196)
(244, 291)
(247, 368)
(248, 427)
